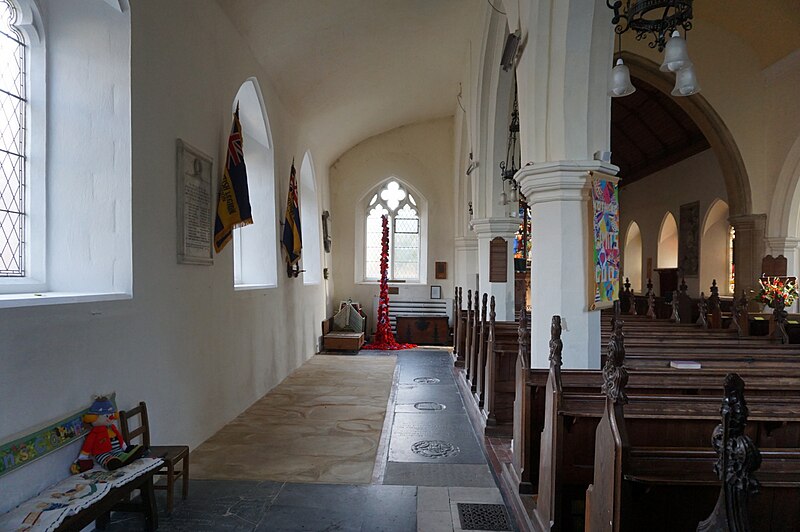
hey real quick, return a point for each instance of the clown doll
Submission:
(104, 442)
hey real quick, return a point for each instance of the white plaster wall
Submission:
(422, 155)
(646, 201)
(195, 350)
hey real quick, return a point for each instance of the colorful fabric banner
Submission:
(233, 207)
(292, 240)
(604, 275)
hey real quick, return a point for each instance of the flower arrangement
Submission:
(777, 292)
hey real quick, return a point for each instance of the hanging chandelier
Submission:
(508, 168)
(659, 20)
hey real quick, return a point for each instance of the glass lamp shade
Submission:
(686, 82)
(676, 55)
(514, 197)
(503, 199)
(620, 81)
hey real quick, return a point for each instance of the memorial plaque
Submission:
(194, 205)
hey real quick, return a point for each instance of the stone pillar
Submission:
(466, 267)
(487, 229)
(558, 193)
(749, 249)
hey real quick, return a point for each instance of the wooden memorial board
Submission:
(498, 260)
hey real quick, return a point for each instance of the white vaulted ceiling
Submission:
(350, 69)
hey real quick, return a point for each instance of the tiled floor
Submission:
(408, 491)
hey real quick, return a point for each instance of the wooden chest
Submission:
(423, 330)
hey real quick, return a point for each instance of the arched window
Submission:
(405, 233)
(633, 257)
(309, 221)
(668, 242)
(13, 101)
(255, 257)
(75, 141)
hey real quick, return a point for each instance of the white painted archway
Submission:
(255, 257)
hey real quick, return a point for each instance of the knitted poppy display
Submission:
(384, 339)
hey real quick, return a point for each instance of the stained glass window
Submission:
(404, 234)
(12, 144)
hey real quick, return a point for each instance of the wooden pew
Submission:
(678, 460)
(571, 417)
(500, 370)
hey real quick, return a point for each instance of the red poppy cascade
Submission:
(384, 339)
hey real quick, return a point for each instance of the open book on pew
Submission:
(685, 364)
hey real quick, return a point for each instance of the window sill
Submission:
(57, 298)
(407, 283)
(251, 287)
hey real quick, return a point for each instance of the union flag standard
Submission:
(233, 208)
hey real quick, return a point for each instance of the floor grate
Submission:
(483, 516)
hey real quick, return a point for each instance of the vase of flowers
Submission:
(778, 293)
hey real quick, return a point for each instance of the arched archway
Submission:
(737, 182)
(714, 248)
(255, 257)
(785, 212)
(632, 256)
(309, 221)
(667, 256)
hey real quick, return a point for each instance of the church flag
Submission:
(292, 237)
(233, 207)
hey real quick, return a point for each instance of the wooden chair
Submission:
(171, 454)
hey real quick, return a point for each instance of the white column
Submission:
(487, 229)
(558, 193)
(466, 263)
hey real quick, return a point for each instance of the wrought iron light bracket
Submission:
(656, 18)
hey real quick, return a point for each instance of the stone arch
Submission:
(784, 218)
(737, 181)
(491, 106)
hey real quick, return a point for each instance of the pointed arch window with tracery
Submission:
(394, 201)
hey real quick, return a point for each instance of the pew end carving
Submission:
(737, 459)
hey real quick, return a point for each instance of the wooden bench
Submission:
(56, 439)
(489, 350)
(578, 406)
(118, 500)
(619, 465)
(566, 447)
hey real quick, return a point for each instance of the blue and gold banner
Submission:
(292, 240)
(233, 208)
